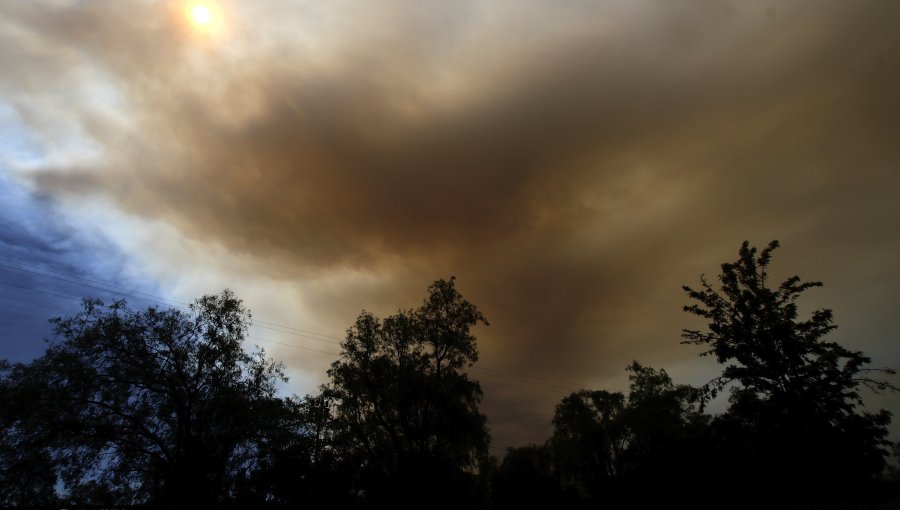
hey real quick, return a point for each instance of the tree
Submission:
(664, 425)
(26, 472)
(605, 443)
(795, 417)
(300, 461)
(406, 412)
(589, 439)
(155, 406)
(527, 478)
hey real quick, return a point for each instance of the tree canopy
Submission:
(405, 407)
(604, 443)
(796, 401)
(154, 406)
(165, 408)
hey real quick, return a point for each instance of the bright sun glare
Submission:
(201, 15)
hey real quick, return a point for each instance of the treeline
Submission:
(163, 408)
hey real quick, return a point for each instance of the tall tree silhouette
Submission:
(155, 406)
(796, 419)
(407, 412)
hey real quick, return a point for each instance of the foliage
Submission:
(300, 460)
(527, 478)
(603, 442)
(153, 406)
(796, 401)
(589, 438)
(164, 408)
(26, 472)
(406, 412)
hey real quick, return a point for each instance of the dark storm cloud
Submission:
(573, 163)
(35, 238)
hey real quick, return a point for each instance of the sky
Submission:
(573, 163)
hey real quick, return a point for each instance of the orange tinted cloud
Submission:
(573, 163)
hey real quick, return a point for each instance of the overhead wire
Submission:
(532, 383)
(39, 290)
(125, 290)
(291, 345)
(544, 383)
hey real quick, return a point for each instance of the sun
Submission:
(204, 17)
(201, 15)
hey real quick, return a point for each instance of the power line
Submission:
(291, 345)
(295, 334)
(560, 382)
(554, 386)
(127, 294)
(523, 379)
(534, 385)
(492, 382)
(549, 388)
(150, 297)
(39, 290)
(258, 323)
(504, 449)
(529, 388)
(88, 280)
(298, 330)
